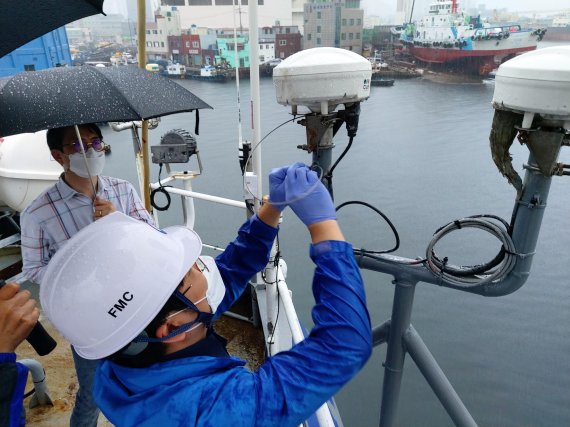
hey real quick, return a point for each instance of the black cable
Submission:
(276, 264)
(244, 169)
(396, 235)
(266, 135)
(249, 206)
(329, 174)
(160, 189)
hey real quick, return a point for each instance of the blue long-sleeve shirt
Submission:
(287, 388)
(13, 378)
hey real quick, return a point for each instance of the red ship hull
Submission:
(480, 62)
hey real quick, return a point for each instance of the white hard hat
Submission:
(105, 285)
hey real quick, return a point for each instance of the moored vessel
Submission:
(456, 41)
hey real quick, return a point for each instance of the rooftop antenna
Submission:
(236, 62)
(412, 11)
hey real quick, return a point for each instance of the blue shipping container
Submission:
(47, 51)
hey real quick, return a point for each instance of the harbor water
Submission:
(421, 156)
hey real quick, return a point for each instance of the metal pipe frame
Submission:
(400, 335)
(41, 392)
(527, 218)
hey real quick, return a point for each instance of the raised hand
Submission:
(102, 207)
(309, 198)
(18, 315)
(277, 195)
(299, 187)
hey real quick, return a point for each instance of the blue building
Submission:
(47, 51)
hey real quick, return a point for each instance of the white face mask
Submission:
(216, 288)
(95, 162)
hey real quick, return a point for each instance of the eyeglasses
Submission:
(198, 265)
(96, 143)
(201, 267)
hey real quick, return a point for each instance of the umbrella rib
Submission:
(118, 91)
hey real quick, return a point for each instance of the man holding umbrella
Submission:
(81, 196)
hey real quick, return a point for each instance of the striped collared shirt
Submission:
(60, 212)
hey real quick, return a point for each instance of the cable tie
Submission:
(440, 275)
(520, 255)
(457, 224)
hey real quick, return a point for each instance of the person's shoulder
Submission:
(46, 198)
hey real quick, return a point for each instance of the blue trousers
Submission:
(85, 413)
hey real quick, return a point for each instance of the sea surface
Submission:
(421, 156)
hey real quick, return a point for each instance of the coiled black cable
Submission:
(160, 189)
(475, 275)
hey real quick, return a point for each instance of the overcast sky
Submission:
(383, 7)
(380, 7)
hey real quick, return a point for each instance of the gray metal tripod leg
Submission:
(403, 337)
(394, 365)
(437, 379)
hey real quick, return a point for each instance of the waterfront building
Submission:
(193, 50)
(288, 40)
(336, 23)
(278, 41)
(166, 23)
(48, 51)
(208, 48)
(176, 49)
(226, 48)
(223, 13)
(266, 44)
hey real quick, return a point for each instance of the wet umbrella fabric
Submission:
(23, 21)
(57, 97)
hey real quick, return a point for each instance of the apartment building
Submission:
(336, 23)
(167, 23)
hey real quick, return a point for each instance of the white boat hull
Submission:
(26, 169)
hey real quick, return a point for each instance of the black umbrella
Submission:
(22, 21)
(57, 97)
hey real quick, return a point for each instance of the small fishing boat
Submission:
(208, 73)
(381, 82)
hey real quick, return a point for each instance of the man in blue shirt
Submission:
(18, 315)
(151, 319)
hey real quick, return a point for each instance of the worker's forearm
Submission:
(325, 230)
(269, 214)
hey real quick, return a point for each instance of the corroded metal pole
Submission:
(143, 156)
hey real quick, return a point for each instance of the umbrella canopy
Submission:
(65, 96)
(22, 21)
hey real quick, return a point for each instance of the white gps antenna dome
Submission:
(322, 78)
(536, 82)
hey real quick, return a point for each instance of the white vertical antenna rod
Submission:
(236, 62)
(255, 98)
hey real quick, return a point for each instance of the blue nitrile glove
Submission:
(277, 195)
(307, 196)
